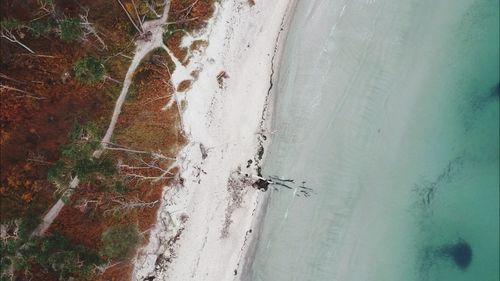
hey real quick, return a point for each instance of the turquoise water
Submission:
(389, 111)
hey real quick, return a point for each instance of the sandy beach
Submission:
(206, 223)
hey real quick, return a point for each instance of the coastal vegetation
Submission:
(57, 95)
(89, 70)
(53, 253)
(119, 241)
(70, 29)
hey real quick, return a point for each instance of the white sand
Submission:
(245, 42)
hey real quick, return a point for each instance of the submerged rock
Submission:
(460, 253)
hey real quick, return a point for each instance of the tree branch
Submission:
(130, 17)
(11, 38)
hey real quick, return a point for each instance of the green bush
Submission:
(170, 30)
(76, 158)
(89, 70)
(11, 261)
(10, 246)
(11, 24)
(30, 221)
(70, 29)
(8, 249)
(132, 93)
(120, 241)
(55, 171)
(57, 254)
(120, 187)
(53, 253)
(85, 167)
(41, 27)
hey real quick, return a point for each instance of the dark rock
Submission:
(261, 185)
(259, 171)
(460, 253)
(204, 151)
(260, 153)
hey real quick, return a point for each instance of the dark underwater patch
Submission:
(460, 253)
(496, 90)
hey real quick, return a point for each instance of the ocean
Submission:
(386, 137)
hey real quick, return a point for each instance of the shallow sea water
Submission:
(389, 111)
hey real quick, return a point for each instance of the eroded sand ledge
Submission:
(204, 226)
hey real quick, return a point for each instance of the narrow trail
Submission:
(144, 45)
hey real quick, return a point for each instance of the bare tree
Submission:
(141, 21)
(154, 168)
(22, 93)
(84, 204)
(151, 8)
(7, 31)
(138, 26)
(47, 8)
(121, 204)
(155, 98)
(89, 29)
(38, 157)
(155, 155)
(115, 146)
(189, 8)
(102, 268)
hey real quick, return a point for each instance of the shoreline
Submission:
(261, 209)
(213, 209)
